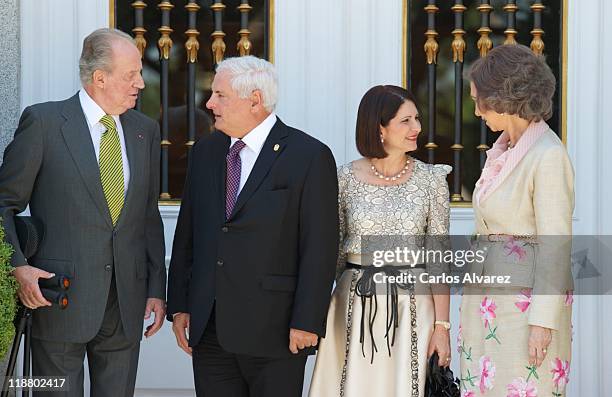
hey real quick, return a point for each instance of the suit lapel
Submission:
(135, 148)
(529, 138)
(273, 146)
(78, 140)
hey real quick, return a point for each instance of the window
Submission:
(417, 77)
(148, 15)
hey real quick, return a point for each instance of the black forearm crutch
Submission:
(30, 233)
(23, 327)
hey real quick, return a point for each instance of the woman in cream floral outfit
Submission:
(515, 341)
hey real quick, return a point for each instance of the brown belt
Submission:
(502, 238)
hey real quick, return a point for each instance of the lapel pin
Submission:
(276, 147)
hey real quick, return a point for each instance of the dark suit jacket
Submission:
(51, 165)
(271, 266)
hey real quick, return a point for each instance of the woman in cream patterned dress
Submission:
(515, 341)
(379, 345)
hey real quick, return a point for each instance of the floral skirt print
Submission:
(492, 345)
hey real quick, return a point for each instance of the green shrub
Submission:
(8, 296)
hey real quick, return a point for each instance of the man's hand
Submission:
(157, 306)
(539, 339)
(29, 292)
(180, 325)
(299, 340)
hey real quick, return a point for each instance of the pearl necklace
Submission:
(390, 178)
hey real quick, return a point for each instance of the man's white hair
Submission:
(97, 52)
(250, 73)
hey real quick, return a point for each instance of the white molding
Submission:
(169, 211)
(462, 214)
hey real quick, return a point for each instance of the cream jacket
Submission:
(537, 199)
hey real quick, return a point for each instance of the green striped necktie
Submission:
(111, 167)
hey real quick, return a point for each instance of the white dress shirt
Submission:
(93, 114)
(254, 141)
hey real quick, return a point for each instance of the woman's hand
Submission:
(539, 339)
(440, 342)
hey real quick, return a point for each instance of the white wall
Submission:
(52, 32)
(328, 53)
(589, 125)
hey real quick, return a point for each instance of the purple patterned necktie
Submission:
(232, 181)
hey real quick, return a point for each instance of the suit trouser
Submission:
(218, 373)
(111, 356)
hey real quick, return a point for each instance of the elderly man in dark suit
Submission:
(256, 243)
(88, 167)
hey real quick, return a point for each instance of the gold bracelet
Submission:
(445, 324)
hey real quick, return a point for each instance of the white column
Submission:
(52, 32)
(588, 107)
(602, 178)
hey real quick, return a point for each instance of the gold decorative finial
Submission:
(139, 40)
(244, 45)
(165, 42)
(139, 31)
(484, 43)
(458, 45)
(537, 44)
(510, 36)
(192, 45)
(218, 46)
(431, 46)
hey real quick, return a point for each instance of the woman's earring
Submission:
(382, 140)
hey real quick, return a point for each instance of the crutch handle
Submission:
(55, 297)
(60, 281)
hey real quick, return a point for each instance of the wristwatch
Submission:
(445, 324)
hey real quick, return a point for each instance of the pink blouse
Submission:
(501, 160)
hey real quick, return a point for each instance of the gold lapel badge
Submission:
(276, 147)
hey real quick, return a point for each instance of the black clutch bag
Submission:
(440, 381)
